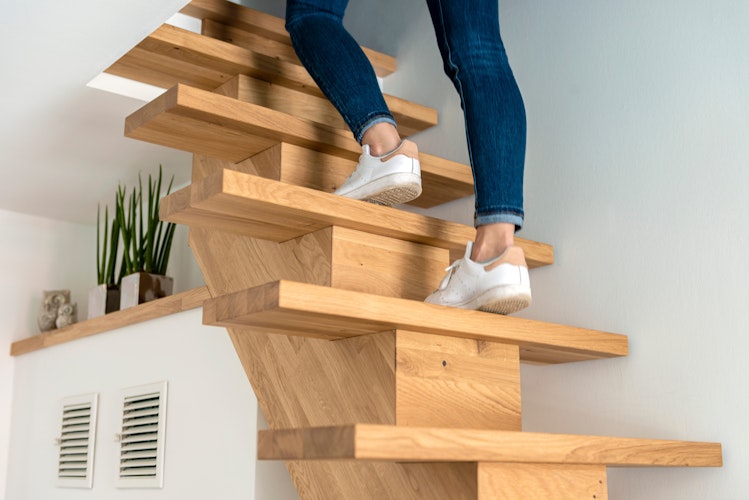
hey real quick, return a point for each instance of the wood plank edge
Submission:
(184, 301)
(419, 444)
(232, 310)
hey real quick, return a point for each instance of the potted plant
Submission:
(105, 297)
(146, 242)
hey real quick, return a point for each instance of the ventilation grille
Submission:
(77, 441)
(141, 462)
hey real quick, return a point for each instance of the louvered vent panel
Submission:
(142, 436)
(77, 441)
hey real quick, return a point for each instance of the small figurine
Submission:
(67, 315)
(51, 303)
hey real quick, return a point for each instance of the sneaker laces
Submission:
(449, 270)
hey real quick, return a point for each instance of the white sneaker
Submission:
(501, 285)
(386, 180)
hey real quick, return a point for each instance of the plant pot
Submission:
(138, 288)
(103, 299)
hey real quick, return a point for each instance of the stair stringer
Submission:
(302, 382)
(299, 382)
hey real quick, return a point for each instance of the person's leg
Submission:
(388, 171)
(474, 58)
(336, 62)
(493, 274)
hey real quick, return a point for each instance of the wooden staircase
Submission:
(368, 391)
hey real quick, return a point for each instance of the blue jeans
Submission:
(474, 59)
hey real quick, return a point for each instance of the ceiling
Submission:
(62, 144)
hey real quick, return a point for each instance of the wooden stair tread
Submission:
(242, 203)
(267, 26)
(293, 308)
(172, 55)
(422, 444)
(211, 124)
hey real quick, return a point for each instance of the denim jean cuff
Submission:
(493, 218)
(373, 121)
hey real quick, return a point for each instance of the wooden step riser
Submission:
(411, 118)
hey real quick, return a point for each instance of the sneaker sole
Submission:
(392, 189)
(503, 300)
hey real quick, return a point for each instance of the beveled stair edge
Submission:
(302, 309)
(184, 301)
(243, 203)
(420, 444)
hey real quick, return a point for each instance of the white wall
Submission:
(638, 117)
(35, 254)
(212, 411)
(637, 173)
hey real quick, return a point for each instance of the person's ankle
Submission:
(382, 138)
(492, 240)
(485, 254)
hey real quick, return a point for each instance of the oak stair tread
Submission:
(424, 444)
(172, 55)
(302, 309)
(215, 125)
(267, 26)
(242, 203)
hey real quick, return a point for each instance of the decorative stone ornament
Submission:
(67, 315)
(48, 310)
